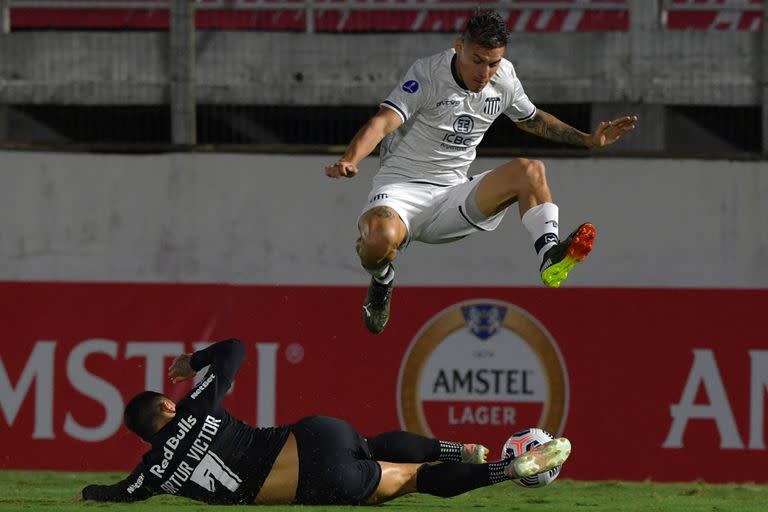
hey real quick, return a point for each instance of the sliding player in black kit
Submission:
(200, 451)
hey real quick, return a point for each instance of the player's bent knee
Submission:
(381, 233)
(520, 175)
(378, 244)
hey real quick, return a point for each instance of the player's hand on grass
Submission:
(78, 497)
(180, 370)
(341, 168)
(609, 132)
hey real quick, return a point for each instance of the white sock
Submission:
(541, 222)
(383, 275)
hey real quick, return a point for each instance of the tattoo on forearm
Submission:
(549, 127)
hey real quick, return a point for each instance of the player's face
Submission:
(477, 65)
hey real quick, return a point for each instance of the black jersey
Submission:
(203, 453)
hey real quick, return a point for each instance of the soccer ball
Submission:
(521, 442)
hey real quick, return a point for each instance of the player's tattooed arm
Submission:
(549, 127)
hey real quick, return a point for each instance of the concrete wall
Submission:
(276, 219)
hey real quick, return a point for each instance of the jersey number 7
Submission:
(211, 469)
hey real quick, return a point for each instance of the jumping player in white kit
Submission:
(429, 127)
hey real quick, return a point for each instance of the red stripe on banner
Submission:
(677, 20)
(556, 21)
(150, 19)
(677, 376)
(288, 20)
(412, 18)
(709, 20)
(598, 21)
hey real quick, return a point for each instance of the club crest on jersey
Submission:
(492, 106)
(411, 86)
(464, 124)
(483, 320)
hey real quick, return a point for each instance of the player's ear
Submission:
(168, 406)
(459, 44)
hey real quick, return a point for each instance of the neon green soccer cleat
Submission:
(563, 256)
(474, 454)
(540, 459)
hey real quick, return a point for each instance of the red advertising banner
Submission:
(405, 16)
(291, 15)
(672, 380)
(714, 15)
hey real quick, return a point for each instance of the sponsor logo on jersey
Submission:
(201, 387)
(455, 140)
(169, 448)
(411, 86)
(480, 370)
(463, 124)
(198, 451)
(448, 103)
(138, 483)
(492, 106)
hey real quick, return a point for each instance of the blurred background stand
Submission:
(291, 74)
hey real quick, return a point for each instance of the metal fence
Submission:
(276, 72)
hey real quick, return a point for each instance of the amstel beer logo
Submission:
(480, 370)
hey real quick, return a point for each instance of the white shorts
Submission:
(433, 214)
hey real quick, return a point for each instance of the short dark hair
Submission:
(142, 412)
(487, 29)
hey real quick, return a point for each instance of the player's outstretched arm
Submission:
(549, 127)
(133, 488)
(364, 142)
(223, 358)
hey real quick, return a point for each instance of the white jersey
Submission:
(442, 122)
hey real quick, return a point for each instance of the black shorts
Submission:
(335, 464)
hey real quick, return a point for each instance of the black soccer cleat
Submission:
(376, 307)
(564, 255)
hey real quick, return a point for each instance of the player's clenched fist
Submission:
(181, 369)
(341, 168)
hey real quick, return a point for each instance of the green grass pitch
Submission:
(53, 491)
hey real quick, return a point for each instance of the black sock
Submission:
(453, 478)
(403, 447)
(449, 451)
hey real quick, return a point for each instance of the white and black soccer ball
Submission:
(523, 441)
